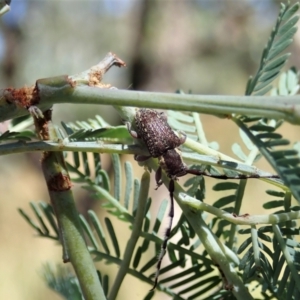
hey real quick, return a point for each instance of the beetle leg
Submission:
(167, 235)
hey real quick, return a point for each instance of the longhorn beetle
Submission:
(162, 143)
(153, 128)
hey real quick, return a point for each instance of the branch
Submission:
(86, 88)
(93, 147)
(239, 220)
(136, 231)
(59, 187)
(211, 157)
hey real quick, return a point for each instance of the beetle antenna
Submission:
(224, 176)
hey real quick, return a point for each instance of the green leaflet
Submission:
(19, 136)
(280, 38)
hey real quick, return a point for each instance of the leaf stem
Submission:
(240, 220)
(94, 147)
(216, 251)
(136, 230)
(200, 130)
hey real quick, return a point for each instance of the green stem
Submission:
(200, 130)
(216, 250)
(94, 147)
(239, 220)
(58, 90)
(70, 231)
(256, 250)
(75, 249)
(136, 231)
(211, 157)
(267, 107)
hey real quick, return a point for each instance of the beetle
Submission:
(153, 128)
(162, 143)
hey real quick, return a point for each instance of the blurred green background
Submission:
(204, 46)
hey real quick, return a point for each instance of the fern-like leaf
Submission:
(96, 129)
(271, 64)
(23, 136)
(285, 162)
(46, 225)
